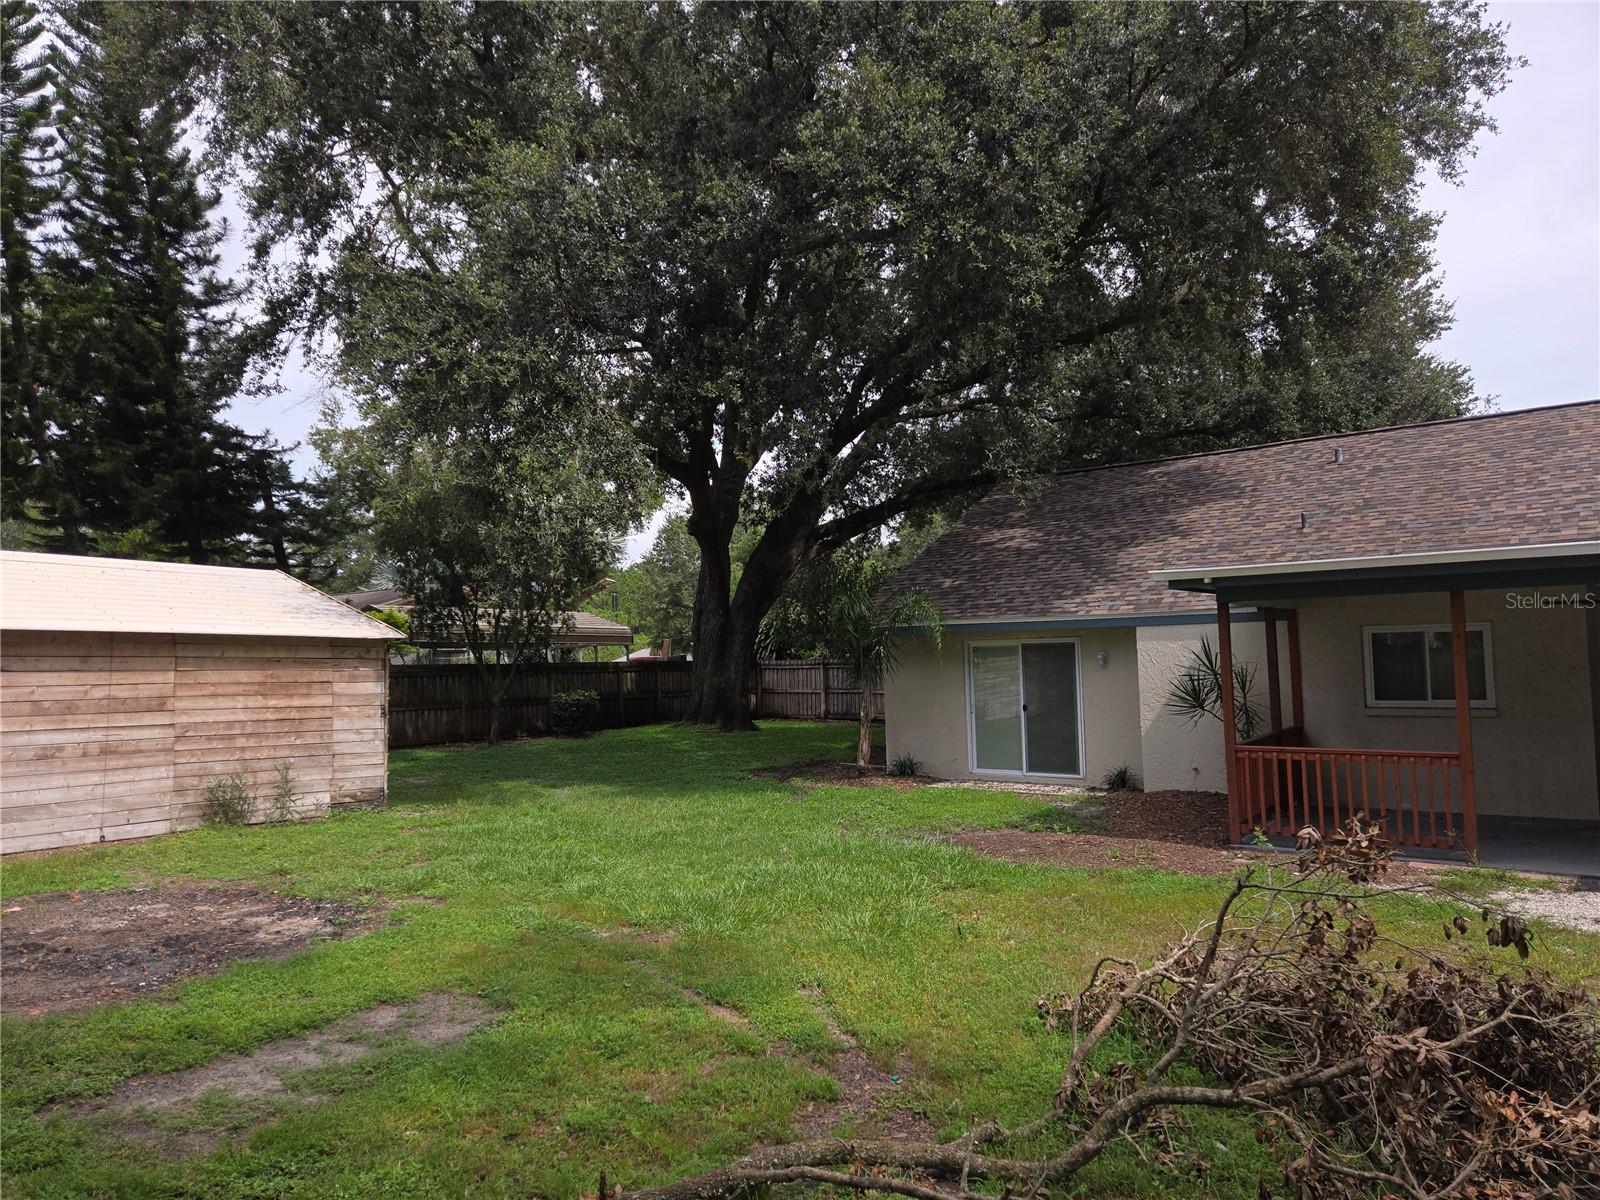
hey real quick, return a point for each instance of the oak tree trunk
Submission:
(727, 620)
(724, 639)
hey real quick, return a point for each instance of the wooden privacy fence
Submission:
(433, 704)
(810, 689)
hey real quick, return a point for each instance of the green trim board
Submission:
(1047, 624)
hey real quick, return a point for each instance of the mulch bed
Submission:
(1171, 831)
(72, 950)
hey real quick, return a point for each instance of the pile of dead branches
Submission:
(1381, 1068)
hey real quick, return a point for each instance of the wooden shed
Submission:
(125, 687)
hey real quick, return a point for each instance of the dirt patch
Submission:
(72, 950)
(732, 1016)
(190, 1111)
(865, 1089)
(656, 939)
(827, 772)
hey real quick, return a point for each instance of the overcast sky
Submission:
(1520, 244)
(1519, 247)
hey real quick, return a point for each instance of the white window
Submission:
(1025, 708)
(1413, 666)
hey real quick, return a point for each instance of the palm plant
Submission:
(839, 608)
(1197, 692)
(862, 635)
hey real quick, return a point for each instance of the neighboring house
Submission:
(126, 686)
(1346, 570)
(662, 653)
(579, 630)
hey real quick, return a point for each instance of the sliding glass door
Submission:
(996, 708)
(1024, 707)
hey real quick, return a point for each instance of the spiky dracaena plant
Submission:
(1197, 692)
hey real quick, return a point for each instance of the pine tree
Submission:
(26, 197)
(149, 340)
(144, 319)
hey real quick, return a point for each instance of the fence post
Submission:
(824, 670)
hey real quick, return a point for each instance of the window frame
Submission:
(1483, 627)
(972, 711)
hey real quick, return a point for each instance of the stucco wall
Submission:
(1180, 754)
(925, 701)
(1534, 751)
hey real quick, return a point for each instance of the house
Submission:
(659, 654)
(127, 686)
(1419, 607)
(578, 630)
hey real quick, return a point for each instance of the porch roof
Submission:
(1540, 565)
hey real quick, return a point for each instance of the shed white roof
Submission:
(115, 595)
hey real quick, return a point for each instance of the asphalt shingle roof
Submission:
(1083, 544)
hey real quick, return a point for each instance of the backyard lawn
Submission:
(637, 955)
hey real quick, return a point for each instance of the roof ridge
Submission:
(1318, 437)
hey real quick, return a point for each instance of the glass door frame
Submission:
(1022, 693)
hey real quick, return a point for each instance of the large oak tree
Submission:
(833, 263)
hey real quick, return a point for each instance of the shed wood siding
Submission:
(105, 736)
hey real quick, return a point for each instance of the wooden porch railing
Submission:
(1284, 786)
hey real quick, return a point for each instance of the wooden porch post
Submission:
(1225, 670)
(1274, 697)
(1458, 654)
(1296, 699)
(1591, 622)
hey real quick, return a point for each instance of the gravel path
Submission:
(1570, 910)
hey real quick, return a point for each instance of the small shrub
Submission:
(905, 766)
(280, 806)
(1121, 780)
(227, 801)
(574, 712)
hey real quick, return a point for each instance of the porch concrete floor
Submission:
(1542, 845)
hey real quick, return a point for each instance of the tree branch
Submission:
(842, 528)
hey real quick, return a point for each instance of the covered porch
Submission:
(1395, 708)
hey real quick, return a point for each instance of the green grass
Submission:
(505, 865)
